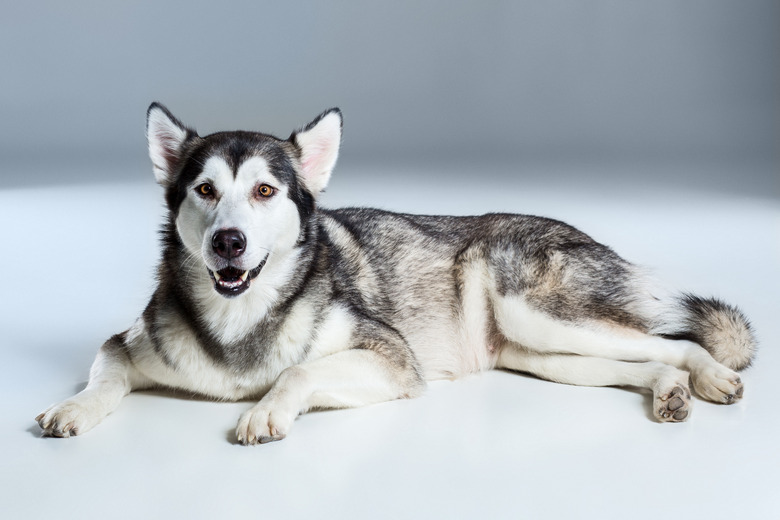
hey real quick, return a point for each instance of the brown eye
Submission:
(205, 190)
(265, 191)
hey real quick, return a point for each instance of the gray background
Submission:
(683, 92)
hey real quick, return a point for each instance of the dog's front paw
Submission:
(68, 418)
(263, 424)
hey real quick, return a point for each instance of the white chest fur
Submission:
(180, 362)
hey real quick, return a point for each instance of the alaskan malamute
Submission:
(263, 294)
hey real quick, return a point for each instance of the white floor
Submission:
(78, 261)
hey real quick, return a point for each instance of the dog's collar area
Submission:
(230, 282)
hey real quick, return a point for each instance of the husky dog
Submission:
(263, 294)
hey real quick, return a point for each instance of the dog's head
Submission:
(237, 198)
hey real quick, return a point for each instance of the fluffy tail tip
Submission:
(722, 329)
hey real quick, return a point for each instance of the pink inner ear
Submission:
(314, 155)
(168, 150)
(319, 146)
(307, 164)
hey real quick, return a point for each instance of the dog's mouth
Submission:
(230, 282)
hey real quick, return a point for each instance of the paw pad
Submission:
(674, 406)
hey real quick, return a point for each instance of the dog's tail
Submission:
(722, 329)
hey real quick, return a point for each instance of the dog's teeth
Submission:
(244, 276)
(217, 276)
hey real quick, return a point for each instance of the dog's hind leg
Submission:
(558, 291)
(671, 396)
(111, 378)
(537, 331)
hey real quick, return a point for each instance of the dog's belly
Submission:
(443, 311)
(444, 353)
(449, 347)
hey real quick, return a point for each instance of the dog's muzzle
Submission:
(232, 281)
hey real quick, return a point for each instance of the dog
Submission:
(263, 294)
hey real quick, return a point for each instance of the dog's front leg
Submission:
(111, 378)
(346, 379)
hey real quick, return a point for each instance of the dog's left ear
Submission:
(319, 144)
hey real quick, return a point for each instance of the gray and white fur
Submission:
(263, 294)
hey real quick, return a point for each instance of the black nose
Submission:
(229, 243)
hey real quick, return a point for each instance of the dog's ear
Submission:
(166, 137)
(319, 145)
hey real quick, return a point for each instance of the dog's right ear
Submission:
(166, 136)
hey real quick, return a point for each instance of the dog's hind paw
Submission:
(718, 384)
(673, 405)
